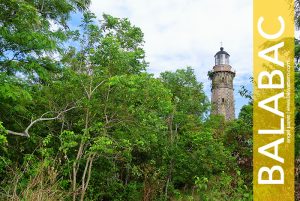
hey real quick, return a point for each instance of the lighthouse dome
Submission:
(222, 57)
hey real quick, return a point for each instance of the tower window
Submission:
(223, 100)
(223, 79)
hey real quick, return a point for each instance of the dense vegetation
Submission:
(81, 119)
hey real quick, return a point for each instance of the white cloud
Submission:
(181, 33)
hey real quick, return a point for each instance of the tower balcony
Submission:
(221, 68)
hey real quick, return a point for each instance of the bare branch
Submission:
(87, 93)
(97, 86)
(42, 118)
(17, 133)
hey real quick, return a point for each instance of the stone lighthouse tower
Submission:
(222, 97)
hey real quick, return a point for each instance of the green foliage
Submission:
(187, 93)
(4, 161)
(68, 140)
(101, 128)
(27, 35)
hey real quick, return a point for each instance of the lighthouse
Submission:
(222, 91)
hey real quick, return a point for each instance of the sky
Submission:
(180, 33)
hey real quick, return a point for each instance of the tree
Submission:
(93, 125)
(28, 42)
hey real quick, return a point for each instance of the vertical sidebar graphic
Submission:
(273, 93)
